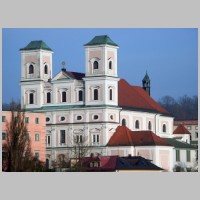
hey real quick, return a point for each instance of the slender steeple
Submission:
(146, 83)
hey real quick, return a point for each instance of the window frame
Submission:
(31, 98)
(48, 97)
(137, 124)
(37, 120)
(188, 155)
(31, 69)
(3, 118)
(4, 135)
(46, 69)
(149, 126)
(64, 97)
(37, 137)
(95, 65)
(96, 94)
(123, 122)
(80, 95)
(164, 128)
(62, 137)
(177, 155)
(27, 120)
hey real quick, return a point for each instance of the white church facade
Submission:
(90, 105)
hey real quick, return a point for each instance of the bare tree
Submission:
(79, 150)
(18, 145)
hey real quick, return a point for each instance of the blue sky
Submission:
(170, 56)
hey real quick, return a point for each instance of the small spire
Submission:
(63, 66)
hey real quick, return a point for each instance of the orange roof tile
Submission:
(135, 97)
(181, 130)
(125, 137)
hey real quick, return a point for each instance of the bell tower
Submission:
(101, 81)
(36, 71)
(146, 83)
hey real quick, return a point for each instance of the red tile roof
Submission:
(136, 97)
(125, 137)
(181, 130)
(107, 163)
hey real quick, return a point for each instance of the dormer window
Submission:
(95, 65)
(46, 69)
(31, 69)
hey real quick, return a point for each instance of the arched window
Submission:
(64, 96)
(46, 69)
(95, 65)
(80, 95)
(137, 124)
(31, 98)
(123, 122)
(149, 125)
(48, 97)
(110, 94)
(164, 128)
(110, 65)
(31, 69)
(96, 94)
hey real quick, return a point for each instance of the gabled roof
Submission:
(135, 163)
(63, 74)
(38, 44)
(179, 144)
(181, 130)
(112, 163)
(135, 97)
(125, 137)
(102, 39)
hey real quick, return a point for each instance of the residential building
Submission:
(36, 127)
(192, 127)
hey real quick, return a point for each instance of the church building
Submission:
(90, 106)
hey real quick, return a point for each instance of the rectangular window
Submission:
(3, 118)
(62, 137)
(64, 96)
(4, 136)
(4, 155)
(188, 155)
(37, 120)
(37, 137)
(177, 155)
(37, 155)
(95, 139)
(48, 140)
(196, 134)
(26, 136)
(26, 120)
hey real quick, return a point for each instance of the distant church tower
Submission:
(146, 83)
